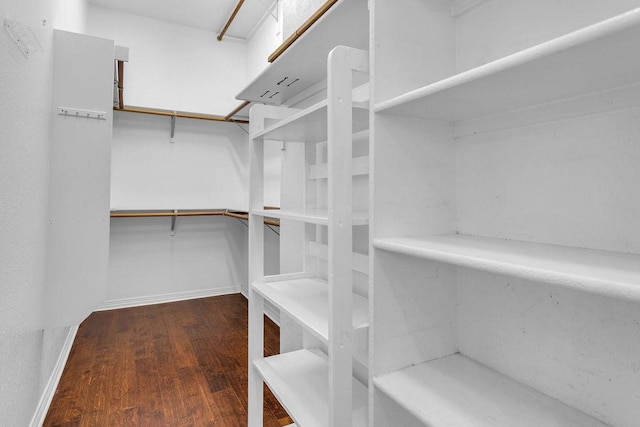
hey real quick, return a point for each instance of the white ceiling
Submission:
(209, 15)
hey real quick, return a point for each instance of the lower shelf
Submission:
(456, 390)
(300, 381)
(307, 301)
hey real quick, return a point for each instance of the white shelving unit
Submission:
(505, 282)
(316, 384)
(345, 23)
(300, 380)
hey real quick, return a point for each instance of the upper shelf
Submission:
(594, 59)
(310, 124)
(612, 274)
(304, 63)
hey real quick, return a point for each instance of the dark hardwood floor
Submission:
(176, 364)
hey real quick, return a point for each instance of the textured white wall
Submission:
(206, 253)
(25, 85)
(172, 66)
(262, 43)
(205, 168)
(296, 12)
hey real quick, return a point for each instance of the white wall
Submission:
(25, 85)
(206, 254)
(205, 168)
(171, 66)
(296, 12)
(266, 38)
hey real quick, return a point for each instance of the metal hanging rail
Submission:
(230, 20)
(300, 31)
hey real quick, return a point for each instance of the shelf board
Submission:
(311, 216)
(345, 23)
(307, 301)
(593, 59)
(612, 274)
(310, 124)
(300, 381)
(456, 390)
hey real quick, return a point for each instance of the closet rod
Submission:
(230, 20)
(246, 217)
(236, 110)
(300, 31)
(167, 113)
(235, 214)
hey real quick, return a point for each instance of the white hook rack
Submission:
(75, 112)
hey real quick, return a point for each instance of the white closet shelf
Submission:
(612, 274)
(345, 23)
(310, 124)
(593, 59)
(307, 301)
(456, 390)
(311, 216)
(300, 381)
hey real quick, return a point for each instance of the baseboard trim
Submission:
(164, 298)
(54, 379)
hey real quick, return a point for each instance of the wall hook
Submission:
(173, 127)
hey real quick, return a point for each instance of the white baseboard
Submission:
(163, 298)
(47, 395)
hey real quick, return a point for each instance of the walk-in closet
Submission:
(320, 213)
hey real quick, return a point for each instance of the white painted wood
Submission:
(328, 310)
(79, 179)
(456, 390)
(307, 301)
(359, 166)
(256, 265)
(310, 124)
(341, 62)
(611, 274)
(346, 23)
(581, 106)
(577, 347)
(536, 148)
(566, 182)
(285, 277)
(541, 74)
(359, 262)
(311, 216)
(300, 381)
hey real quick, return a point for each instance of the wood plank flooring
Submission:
(176, 364)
